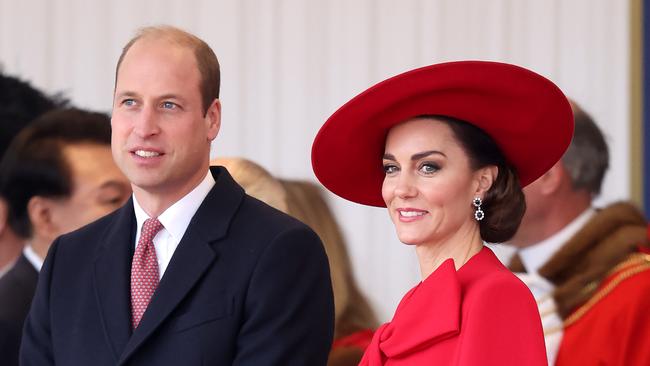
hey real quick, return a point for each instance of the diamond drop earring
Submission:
(478, 214)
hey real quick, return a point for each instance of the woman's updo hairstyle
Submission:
(504, 203)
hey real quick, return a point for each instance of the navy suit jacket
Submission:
(16, 292)
(247, 285)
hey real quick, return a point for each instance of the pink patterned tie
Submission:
(144, 271)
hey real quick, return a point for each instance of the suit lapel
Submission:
(112, 278)
(192, 258)
(25, 274)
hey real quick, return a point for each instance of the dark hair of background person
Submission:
(206, 60)
(20, 103)
(587, 158)
(504, 203)
(34, 164)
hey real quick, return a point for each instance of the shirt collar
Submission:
(536, 255)
(177, 217)
(32, 257)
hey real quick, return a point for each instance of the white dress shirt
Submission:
(175, 221)
(535, 256)
(32, 257)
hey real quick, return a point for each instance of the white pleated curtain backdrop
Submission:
(287, 65)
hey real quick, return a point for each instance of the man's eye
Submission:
(113, 200)
(168, 105)
(128, 102)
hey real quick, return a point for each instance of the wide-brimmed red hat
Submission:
(527, 115)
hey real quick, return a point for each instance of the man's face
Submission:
(98, 188)
(161, 137)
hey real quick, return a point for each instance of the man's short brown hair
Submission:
(206, 60)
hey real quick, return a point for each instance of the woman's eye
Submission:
(390, 168)
(428, 168)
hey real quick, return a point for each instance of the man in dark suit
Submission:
(191, 271)
(57, 176)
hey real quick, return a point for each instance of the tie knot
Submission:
(150, 228)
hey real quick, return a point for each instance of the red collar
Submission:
(431, 311)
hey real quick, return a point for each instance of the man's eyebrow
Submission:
(170, 96)
(112, 184)
(126, 93)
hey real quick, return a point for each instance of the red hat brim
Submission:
(527, 115)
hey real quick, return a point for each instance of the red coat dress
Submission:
(613, 327)
(479, 315)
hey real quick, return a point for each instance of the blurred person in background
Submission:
(20, 103)
(255, 180)
(354, 319)
(56, 176)
(590, 266)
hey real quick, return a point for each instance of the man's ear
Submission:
(40, 210)
(4, 216)
(485, 178)
(213, 118)
(551, 181)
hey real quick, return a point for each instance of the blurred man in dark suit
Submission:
(56, 176)
(20, 103)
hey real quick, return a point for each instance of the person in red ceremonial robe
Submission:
(595, 261)
(447, 149)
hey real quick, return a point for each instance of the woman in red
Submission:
(447, 148)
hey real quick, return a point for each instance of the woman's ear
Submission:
(485, 177)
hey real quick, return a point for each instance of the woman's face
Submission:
(429, 184)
